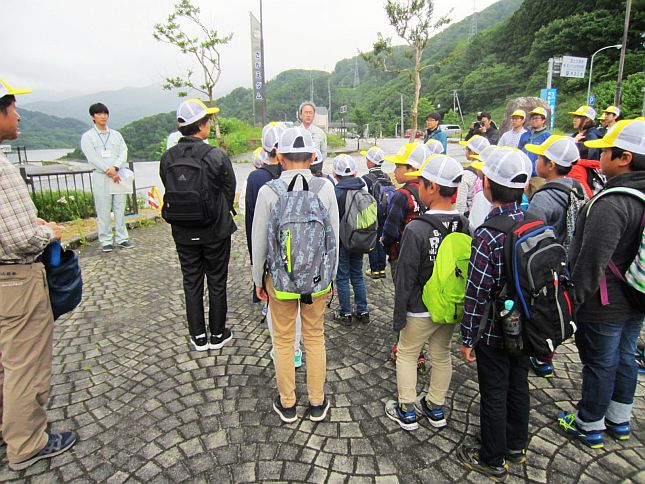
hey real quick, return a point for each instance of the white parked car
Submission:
(451, 130)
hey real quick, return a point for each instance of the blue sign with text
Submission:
(550, 96)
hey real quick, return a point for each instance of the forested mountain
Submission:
(507, 58)
(39, 130)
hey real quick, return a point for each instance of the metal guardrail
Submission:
(67, 195)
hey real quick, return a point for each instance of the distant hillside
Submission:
(125, 105)
(39, 130)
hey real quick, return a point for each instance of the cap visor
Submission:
(599, 143)
(212, 110)
(576, 113)
(363, 153)
(464, 143)
(477, 165)
(414, 173)
(13, 92)
(537, 149)
(396, 160)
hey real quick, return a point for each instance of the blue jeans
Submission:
(609, 374)
(350, 267)
(377, 256)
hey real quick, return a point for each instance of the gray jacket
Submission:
(419, 246)
(609, 231)
(551, 205)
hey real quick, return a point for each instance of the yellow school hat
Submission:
(562, 150)
(628, 135)
(585, 112)
(6, 90)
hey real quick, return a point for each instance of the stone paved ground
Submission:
(148, 409)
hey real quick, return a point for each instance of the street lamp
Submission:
(617, 46)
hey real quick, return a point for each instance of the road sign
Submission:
(550, 96)
(573, 67)
(343, 109)
(592, 100)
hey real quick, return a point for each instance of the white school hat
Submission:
(561, 150)
(504, 164)
(192, 110)
(344, 165)
(441, 169)
(585, 112)
(296, 140)
(628, 135)
(476, 143)
(375, 154)
(271, 134)
(434, 147)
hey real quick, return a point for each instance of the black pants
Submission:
(504, 405)
(210, 260)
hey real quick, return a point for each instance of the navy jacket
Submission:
(254, 182)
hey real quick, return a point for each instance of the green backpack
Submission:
(443, 293)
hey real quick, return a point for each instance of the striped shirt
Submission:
(486, 276)
(21, 238)
(511, 138)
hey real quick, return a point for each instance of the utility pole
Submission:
(264, 91)
(621, 65)
(473, 20)
(357, 80)
(329, 98)
(549, 74)
(311, 87)
(402, 130)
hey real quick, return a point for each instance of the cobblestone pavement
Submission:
(148, 409)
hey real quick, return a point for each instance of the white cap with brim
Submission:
(441, 169)
(476, 144)
(271, 134)
(561, 150)
(192, 110)
(505, 164)
(375, 154)
(434, 147)
(296, 140)
(6, 90)
(344, 165)
(628, 135)
(319, 157)
(585, 112)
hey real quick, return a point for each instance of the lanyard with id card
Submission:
(105, 152)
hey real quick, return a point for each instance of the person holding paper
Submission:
(106, 152)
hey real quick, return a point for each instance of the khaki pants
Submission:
(26, 329)
(411, 339)
(283, 316)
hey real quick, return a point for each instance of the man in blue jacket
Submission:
(434, 132)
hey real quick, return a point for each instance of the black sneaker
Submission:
(362, 318)
(287, 415)
(469, 457)
(318, 413)
(125, 245)
(218, 342)
(200, 343)
(516, 456)
(56, 445)
(344, 319)
(107, 248)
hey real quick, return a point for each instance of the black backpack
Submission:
(537, 280)
(187, 201)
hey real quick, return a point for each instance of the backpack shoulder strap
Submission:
(501, 223)
(617, 190)
(434, 221)
(278, 186)
(316, 184)
(200, 150)
(414, 193)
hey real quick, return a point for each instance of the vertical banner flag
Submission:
(257, 61)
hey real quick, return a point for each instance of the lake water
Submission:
(39, 155)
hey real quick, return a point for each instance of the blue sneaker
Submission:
(403, 414)
(56, 445)
(297, 358)
(541, 369)
(593, 439)
(618, 431)
(435, 416)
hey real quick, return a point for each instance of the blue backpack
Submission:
(382, 190)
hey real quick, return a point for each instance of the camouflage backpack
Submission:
(302, 245)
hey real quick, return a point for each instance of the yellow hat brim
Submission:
(464, 143)
(14, 92)
(363, 153)
(599, 143)
(212, 110)
(414, 173)
(477, 165)
(576, 113)
(396, 159)
(537, 149)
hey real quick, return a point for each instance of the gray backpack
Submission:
(302, 244)
(359, 225)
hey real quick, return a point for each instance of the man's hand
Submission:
(110, 172)
(56, 229)
(261, 293)
(116, 178)
(466, 354)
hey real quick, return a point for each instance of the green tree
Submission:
(413, 22)
(203, 47)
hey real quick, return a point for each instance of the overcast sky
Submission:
(85, 46)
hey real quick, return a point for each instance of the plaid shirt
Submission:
(486, 275)
(21, 238)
